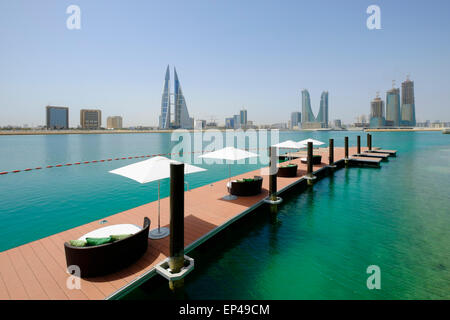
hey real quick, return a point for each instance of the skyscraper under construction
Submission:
(408, 111)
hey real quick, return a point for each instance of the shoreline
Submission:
(126, 131)
(403, 130)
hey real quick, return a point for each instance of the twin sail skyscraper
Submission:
(181, 117)
(308, 119)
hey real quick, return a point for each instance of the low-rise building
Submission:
(90, 119)
(114, 122)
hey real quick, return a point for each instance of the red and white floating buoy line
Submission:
(107, 160)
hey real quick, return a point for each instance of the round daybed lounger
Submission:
(110, 257)
(317, 159)
(287, 171)
(245, 187)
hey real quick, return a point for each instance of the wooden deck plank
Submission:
(41, 273)
(4, 295)
(30, 282)
(58, 273)
(15, 287)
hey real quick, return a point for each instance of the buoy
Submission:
(5, 172)
(15, 171)
(27, 169)
(49, 167)
(58, 165)
(68, 164)
(77, 163)
(38, 168)
(86, 162)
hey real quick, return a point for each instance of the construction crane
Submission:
(212, 122)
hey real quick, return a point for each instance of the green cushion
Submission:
(317, 156)
(98, 241)
(77, 243)
(248, 180)
(117, 237)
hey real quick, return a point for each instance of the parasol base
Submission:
(230, 197)
(159, 234)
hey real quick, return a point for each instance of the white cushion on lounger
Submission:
(229, 183)
(303, 159)
(112, 230)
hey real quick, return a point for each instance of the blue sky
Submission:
(228, 54)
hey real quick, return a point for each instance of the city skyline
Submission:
(115, 63)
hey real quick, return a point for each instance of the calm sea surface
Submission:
(396, 217)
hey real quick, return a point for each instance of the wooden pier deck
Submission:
(379, 155)
(392, 153)
(365, 161)
(37, 270)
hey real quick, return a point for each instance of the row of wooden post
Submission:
(176, 259)
(309, 167)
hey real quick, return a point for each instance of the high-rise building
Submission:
(164, 118)
(90, 119)
(57, 117)
(393, 107)
(307, 114)
(408, 109)
(243, 118)
(323, 111)
(114, 122)
(181, 113)
(377, 119)
(237, 121)
(182, 119)
(296, 119)
(229, 123)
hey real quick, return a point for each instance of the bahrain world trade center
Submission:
(181, 117)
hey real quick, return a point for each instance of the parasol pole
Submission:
(159, 207)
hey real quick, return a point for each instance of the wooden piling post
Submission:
(369, 141)
(346, 150)
(273, 199)
(358, 144)
(331, 153)
(176, 259)
(273, 173)
(309, 168)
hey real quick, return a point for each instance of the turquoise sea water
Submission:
(396, 217)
